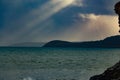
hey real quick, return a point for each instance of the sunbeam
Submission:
(41, 14)
(32, 23)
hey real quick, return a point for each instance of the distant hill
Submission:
(28, 44)
(110, 42)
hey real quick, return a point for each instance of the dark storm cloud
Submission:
(13, 9)
(66, 16)
(69, 15)
(97, 6)
(1, 15)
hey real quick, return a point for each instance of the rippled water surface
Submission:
(55, 63)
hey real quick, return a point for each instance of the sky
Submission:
(46, 20)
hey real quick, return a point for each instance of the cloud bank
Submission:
(45, 20)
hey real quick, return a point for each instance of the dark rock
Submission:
(112, 73)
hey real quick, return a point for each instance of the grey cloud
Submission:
(70, 13)
(17, 15)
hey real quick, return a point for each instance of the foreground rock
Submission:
(112, 73)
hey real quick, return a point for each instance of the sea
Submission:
(35, 63)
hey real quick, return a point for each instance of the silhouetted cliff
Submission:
(112, 73)
(110, 42)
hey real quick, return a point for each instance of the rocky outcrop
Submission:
(112, 73)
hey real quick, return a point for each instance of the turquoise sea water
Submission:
(55, 63)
